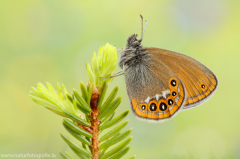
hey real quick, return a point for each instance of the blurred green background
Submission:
(50, 41)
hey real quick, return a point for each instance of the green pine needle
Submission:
(117, 148)
(114, 121)
(81, 101)
(83, 90)
(111, 108)
(115, 140)
(65, 155)
(108, 118)
(77, 119)
(75, 146)
(121, 153)
(109, 99)
(77, 136)
(114, 131)
(76, 129)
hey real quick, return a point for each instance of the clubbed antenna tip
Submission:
(143, 30)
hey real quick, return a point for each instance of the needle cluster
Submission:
(89, 113)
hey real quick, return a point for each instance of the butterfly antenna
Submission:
(142, 26)
(143, 31)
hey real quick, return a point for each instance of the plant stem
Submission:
(95, 122)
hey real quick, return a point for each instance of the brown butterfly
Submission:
(160, 82)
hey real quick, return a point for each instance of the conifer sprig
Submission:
(89, 113)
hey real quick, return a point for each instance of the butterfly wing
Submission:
(199, 81)
(155, 92)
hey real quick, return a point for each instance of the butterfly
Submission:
(161, 83)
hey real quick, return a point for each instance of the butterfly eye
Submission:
(170, 101)
(135, 43)
(173, 83)
(174, 93)
(163, 106)
(153, 107)
(203, 86)
(143, 107)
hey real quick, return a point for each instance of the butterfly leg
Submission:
(122, 49)
(118, 72)
(112, 76)
(118, 48)
(115, 75)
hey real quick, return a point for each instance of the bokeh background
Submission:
(51, 40)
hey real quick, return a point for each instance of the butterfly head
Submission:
(133, 42)
(131, 55)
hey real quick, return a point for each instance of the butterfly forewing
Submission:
(199, 81)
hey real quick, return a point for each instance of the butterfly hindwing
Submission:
(155, 92)
(200, 82)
